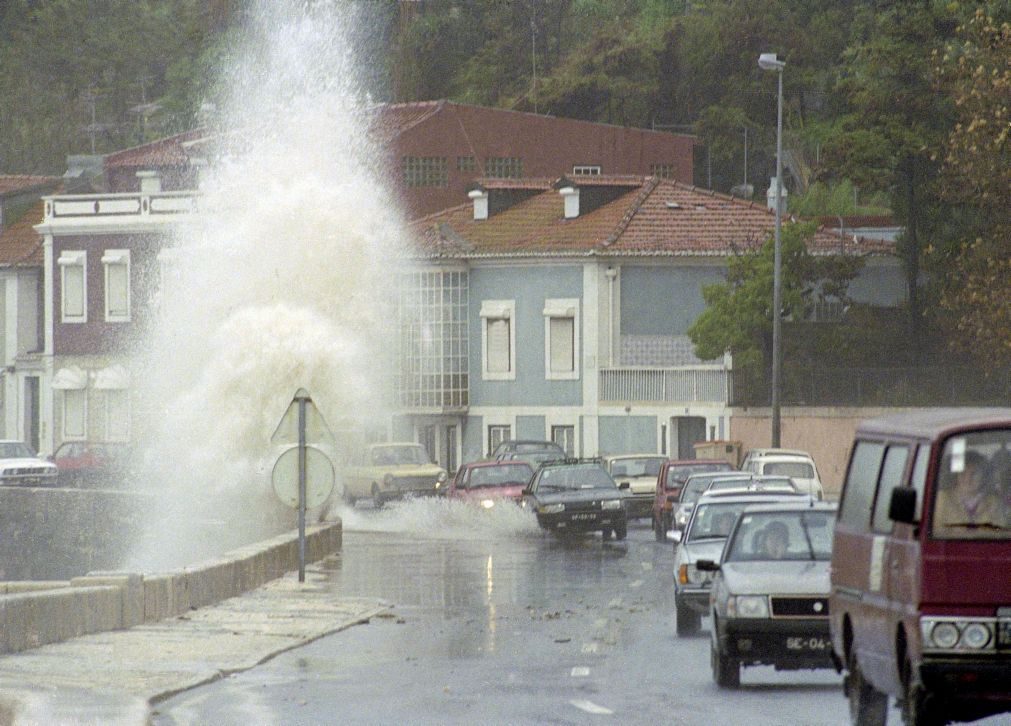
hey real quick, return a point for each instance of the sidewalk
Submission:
(114, 677)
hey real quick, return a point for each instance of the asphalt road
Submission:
(494, 622)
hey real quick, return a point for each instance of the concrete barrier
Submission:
(33, 614)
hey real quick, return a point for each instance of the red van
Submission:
(920, 605)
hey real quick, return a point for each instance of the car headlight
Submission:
(551, 508)
(610, 504)
(944, 635)
(487, 503)
(976, 636)
(748, 606)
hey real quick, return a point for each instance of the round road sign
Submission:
(319, 477)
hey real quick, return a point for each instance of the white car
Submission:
(798, 465)
(20, 467)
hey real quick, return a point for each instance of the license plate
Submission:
(584, 517)
(809, 644)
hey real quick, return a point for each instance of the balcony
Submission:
(683, 384)
(132, 211)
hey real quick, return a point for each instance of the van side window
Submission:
(858, 494)
(891, 477)
(919, 478)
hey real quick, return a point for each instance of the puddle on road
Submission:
(440, 519)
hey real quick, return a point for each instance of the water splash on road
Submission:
(441, 519)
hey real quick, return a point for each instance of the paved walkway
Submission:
(114, 677)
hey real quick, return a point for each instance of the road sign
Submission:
(319, 477)
(316, 429)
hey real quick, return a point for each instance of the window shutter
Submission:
(562, 348)
(73, 291)
(116, 289)
(498, 345)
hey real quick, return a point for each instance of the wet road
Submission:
(494, 622)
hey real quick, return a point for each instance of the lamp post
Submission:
(769, 62)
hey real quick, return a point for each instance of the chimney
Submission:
(150, 182)
(480, 197)
(770, 197)
(571, 196)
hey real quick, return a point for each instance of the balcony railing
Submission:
(112, 206)
(709, 384)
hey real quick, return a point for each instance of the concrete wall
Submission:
(825, 433)
(33, 614)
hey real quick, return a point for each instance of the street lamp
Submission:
(769, 62)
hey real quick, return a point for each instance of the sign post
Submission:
(303, 476)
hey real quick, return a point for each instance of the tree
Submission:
(975, 275)
(738, 315)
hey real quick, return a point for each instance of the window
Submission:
(466, 163)
(496, 435)
(858, 493)
(75, 414)
(561, 339)
(117, 285)
(503, 167)
(664, 171)
(498, 344)
(425, 171)
(586, 170)
(891, 477)
(117, 415)
(565, 436)
(73, 287)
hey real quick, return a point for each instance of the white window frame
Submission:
(77, 259)
(492, 310)
(561, 308)
(110, 259)
(82, 395)
(508, 430)
(570, 428)
(586, 170)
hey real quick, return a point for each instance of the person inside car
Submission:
(723, 523)
(966, 502)
(776, 540)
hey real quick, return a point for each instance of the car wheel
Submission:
(917, 710)
(621, 531)
(868, 706)
(658, 530)
(377, 500)
(726, 670)
(688, 621)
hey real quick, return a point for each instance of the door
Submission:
(685, 432)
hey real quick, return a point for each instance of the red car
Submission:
(668, 488)
(488, 482)
(91, 464)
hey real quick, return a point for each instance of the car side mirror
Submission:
(902, 506)
(674, 534)
(707, 566)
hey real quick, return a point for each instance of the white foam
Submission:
(438, 518)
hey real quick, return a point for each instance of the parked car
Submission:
(392, 471)
(575, 496)
(695, 485)
(641, 472)
(798, 465)
(703, 538)
(770, 591)
(921, 567)
(533, 457)
(669, 483)
(91, 464)
(489, 482)
(20, 467)
(513, 446)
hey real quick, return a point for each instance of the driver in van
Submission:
(967, 502)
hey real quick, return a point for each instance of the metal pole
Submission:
(777, 281)
(301, 489)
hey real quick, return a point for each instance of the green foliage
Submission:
(738, 315)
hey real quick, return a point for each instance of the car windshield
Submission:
(798, 469)
(973, 492)
(534, 458)
(676, 475)
(15, 450)
(713, 520)
(590, 476)
(639, 466)
(499, 475)
(797, 535)
(696, 485)
(533, 446)
(399, 454)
